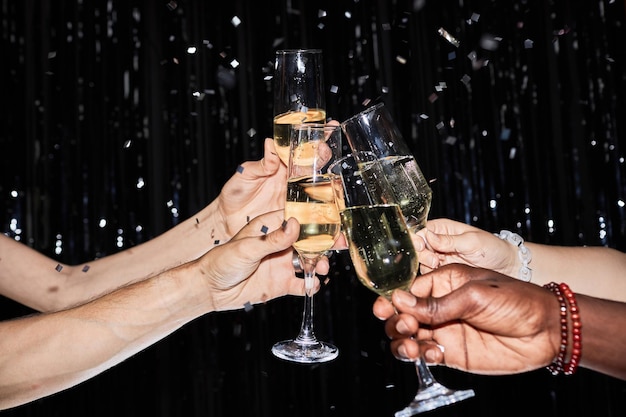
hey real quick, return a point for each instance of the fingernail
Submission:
(430, 356)
(401, 327)
(405, 298)
(402, 351)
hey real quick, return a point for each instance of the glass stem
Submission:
(307, 335)
(424, 376)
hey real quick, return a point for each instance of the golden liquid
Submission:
(380, 247)
(282, 128)
(311, 201)
(410, 189)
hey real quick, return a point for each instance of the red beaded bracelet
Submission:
(566, 297)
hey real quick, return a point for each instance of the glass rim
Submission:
(363, 112)
(352, 155)
(325, 126)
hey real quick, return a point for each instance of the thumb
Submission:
(272, 232)
(265, 167)
(430, 310)
(444, 243)
(271, 161)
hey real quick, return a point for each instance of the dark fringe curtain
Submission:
(121, 118)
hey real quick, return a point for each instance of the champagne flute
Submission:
(373, 130)
(298, 94)
(382, 251)
(311, 200)
(379, 241)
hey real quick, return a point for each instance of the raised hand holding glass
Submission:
(381, 249)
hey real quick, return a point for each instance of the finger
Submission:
(419, 240)
(462, 244)
(264, 167)
(445, 226)
(426, 257)
(401, 325)
(262, 224)
(323, 266)
(422, 286)
(443, 243)
(431, 310)
(270, 156)
(269, 242)
(340, 243)
(432, 352)
(383, 309)
(405, 349)
(425, 269)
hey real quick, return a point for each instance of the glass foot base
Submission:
(433, 397)
(316, 352)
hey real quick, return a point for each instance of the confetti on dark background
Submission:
(122, 118)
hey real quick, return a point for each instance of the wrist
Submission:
(521, 257)
(570, 345)
(211, 225)
(194, 288)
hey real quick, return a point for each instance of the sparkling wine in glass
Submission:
(311, 200)
(299, 95)
(374, 131)
(382, 251)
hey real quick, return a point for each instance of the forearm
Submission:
(45, 285)
(603, 335)
(183, 243)
(47, 353)
(595, 271)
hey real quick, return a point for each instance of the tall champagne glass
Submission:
(299, 95)
(373, 130)
(381, 249)
(310, 199)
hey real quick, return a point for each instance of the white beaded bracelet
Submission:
(525, 273)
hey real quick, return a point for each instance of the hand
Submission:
(444, 241)
(257, 187)
(256, 264)
(486, 322)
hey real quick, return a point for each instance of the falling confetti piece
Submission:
(506, 134)
(447, 36)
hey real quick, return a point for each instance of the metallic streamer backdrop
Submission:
(119, 118)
